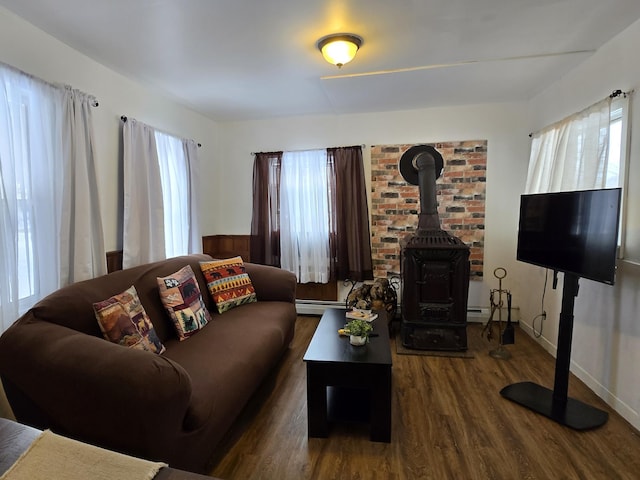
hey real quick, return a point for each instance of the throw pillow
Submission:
(123, 320)
(228, 283)
(181, 298)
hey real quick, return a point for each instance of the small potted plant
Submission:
(358, 331)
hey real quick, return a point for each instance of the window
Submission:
(174, 175)
(27, 153)
(617, 161)
(304, 215)
(587, 150)
(160, 204)
(310, 214)
(50, 226)
(26, 265)
(617, 164)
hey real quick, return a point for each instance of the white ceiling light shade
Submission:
(339, 48)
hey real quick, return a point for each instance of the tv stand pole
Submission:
(555, 404)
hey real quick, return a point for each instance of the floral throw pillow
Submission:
(228, 283)
(123, 320)
(181, 298)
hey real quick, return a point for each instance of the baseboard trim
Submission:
(316, 307)
(474, 314)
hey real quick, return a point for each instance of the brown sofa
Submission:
(59, 373)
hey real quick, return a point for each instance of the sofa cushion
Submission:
(123, 320)
(181, 298)
(230, 357)
(228, 283)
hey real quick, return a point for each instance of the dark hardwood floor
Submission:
(449, 422)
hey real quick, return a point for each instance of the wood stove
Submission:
(434, 266)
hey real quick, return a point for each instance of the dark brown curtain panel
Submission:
(351, 237)
(265, 224)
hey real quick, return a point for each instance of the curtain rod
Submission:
(617, 93)
(307, 149)
(124, 119)
(614, 94)
(94, 102)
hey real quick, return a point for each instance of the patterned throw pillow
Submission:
(181, 297)
(123, 320)
(228, 283)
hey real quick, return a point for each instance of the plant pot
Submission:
(357, 340)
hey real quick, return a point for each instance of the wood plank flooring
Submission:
(449, 422)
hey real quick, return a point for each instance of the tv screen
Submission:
(572, 232)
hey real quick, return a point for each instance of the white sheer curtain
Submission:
(161, 198)
(571, 154)
(304, 215)
(177, 162)
(49, 212)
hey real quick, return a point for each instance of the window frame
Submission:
(620, 112)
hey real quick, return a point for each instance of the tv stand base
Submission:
(571, 413)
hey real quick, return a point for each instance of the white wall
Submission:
(502, 125)
(606, 335)
(29, 49)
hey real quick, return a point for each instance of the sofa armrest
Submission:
(272, 283)
(91, 389)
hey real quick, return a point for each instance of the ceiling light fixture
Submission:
(340, 48)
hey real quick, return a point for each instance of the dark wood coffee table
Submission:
(336, 365)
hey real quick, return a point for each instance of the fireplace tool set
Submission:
(506, 336)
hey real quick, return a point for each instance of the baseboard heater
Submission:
(316, 307)
(474, 314)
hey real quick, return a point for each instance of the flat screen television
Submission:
(572, 232)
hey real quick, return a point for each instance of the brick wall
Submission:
(396, 203)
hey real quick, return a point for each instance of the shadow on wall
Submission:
(613, 307)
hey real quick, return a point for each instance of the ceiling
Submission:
(242, 59)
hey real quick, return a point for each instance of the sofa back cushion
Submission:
(72, 306)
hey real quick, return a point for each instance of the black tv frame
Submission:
(563, 230)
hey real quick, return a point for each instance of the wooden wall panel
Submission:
(226, 246)
(114, 261)
(317, 291)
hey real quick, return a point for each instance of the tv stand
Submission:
(555, 404)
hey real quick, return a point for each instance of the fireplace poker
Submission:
(488, 328)
(508, 335)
